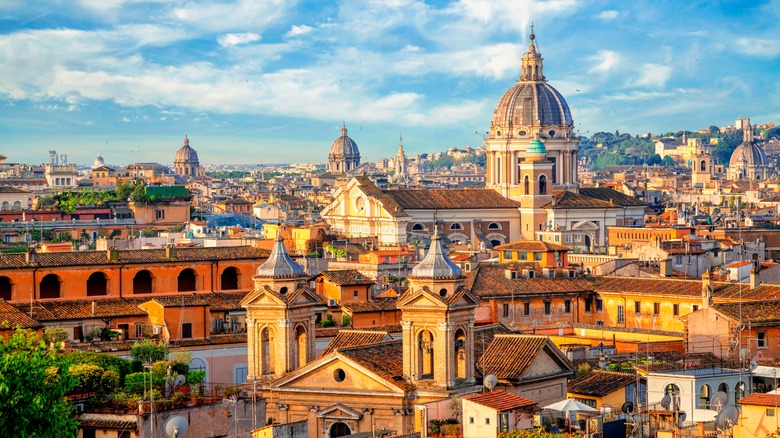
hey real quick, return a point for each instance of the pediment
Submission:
(422, 298)
(339, 411)
(304, 296)
(584, 225)
(262, 297)
(320, 377)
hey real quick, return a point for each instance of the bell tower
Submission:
(280, 317)
(535, 173)
(437, 318)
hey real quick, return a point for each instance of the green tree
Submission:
(33, 382)
(124, 189)
(714, 130)
(149, 351)
(139, 194)
(668, 161)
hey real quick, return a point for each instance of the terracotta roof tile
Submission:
(181, 299)
(384, 359)
(346, 277)
(484, 335)
(501, 400)
(531, 246)
(491, 281)
(753, 312)
(56, 310)
(508, 356)
(600, 383)
(225, 301)
(608, 194)
(722, 291)
(11, 317)
(354, 338)
(385, 305)
(450, 199)
(567, 199)
(759, 399)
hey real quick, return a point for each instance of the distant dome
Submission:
(749, 153)
(436, 264)
(279, 263)
(186, 154)
(344, 147)
(99, 162)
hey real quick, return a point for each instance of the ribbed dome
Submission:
(436, 264)
(749, 153)
(98, 162)
(344, 146)
(531, 101)
(279, 263)
(186, 153)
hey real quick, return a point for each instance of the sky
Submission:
(272, 81)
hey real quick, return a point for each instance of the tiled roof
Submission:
(387, 201)
(354, 338)
(347, 277)
(135, 256)
(508, 356)
(450, 199)
(722, 291)
(500, 400)
(567, 199)
(600, 383)
(753, 312)
(108, 421)
(11, 317)
(608, 194)
(224, 301)
(531, 246)
(491, 281)
(386, 305)
(55, 310)
(384, 359)
(484, 335)
(760, 399)
(326, 332)
(181, 299)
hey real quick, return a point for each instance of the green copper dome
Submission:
(536, 147)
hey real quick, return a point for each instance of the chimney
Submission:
(706, 290)
(755, 277)
(666, 268)
(170, 252)
(94, 307)
(112, 254)
(31, 256)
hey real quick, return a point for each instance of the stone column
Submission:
(313, 424)
(251, 348)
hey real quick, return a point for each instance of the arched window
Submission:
(723, 387)
(460, 354)
(456, 226)
(187, 280)
(494, 226)
(339, 429)
(739, 391)
(301, 352)
(267, 351)
(229, 279)
(50, 286)
(543, 185)
(418, 227)
(142, 282)
(425, 355)
(704, 397)
(97, 284)
(6, 288)
(6, 206)
(703, 165)
(527, 185)
(17, 205)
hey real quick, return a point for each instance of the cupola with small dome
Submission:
(344, 154)
(186, 162)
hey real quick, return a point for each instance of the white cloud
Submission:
(297, 30)
(216, 16)
(233, 39)
(607, 15)
(762, 47)
(605, 60)
(652, 75)
(125, 119)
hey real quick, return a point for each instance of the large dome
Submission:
(186, 154)
(344, 146)
(99, 162)
(531, 105)
(748, 153)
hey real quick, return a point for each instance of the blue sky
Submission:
(270, 81)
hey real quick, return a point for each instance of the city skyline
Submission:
(272, 82)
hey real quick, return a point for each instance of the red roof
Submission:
(759, 399)
(500, 400)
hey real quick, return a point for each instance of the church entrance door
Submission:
(339, 429)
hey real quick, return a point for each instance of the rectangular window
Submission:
(160, 214)
(139, 331)
(471, 420)
(761, 340)
(770, 412)
(621, 315)
(355, 294)
(656, 309)
(487, 420)
(695, 307)
(557, 238)
(522, 256)
(587, 305)
(567, 306)
(601, 323)
(186, 330)
(538, 256)
(676, 309)
(599, 305)
(568, 238)
(578, 237)
(241, 374)
(505, 310)
(526, 309)
(678, 260)
(547, 307)
(507, 255)
(637, 307)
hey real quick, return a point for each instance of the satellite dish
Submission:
(666, 401)
(727, 417)
(179, 380)
(719, 400)
(628, 407)
(176, 427)
(682, 416)
(490, 381)
(743, 353)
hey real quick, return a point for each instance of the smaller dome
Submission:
(749, 153)
(279, 263)
(344, 146)
(536, 147)
(436, 264)
(99, 162)
(186, 153)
